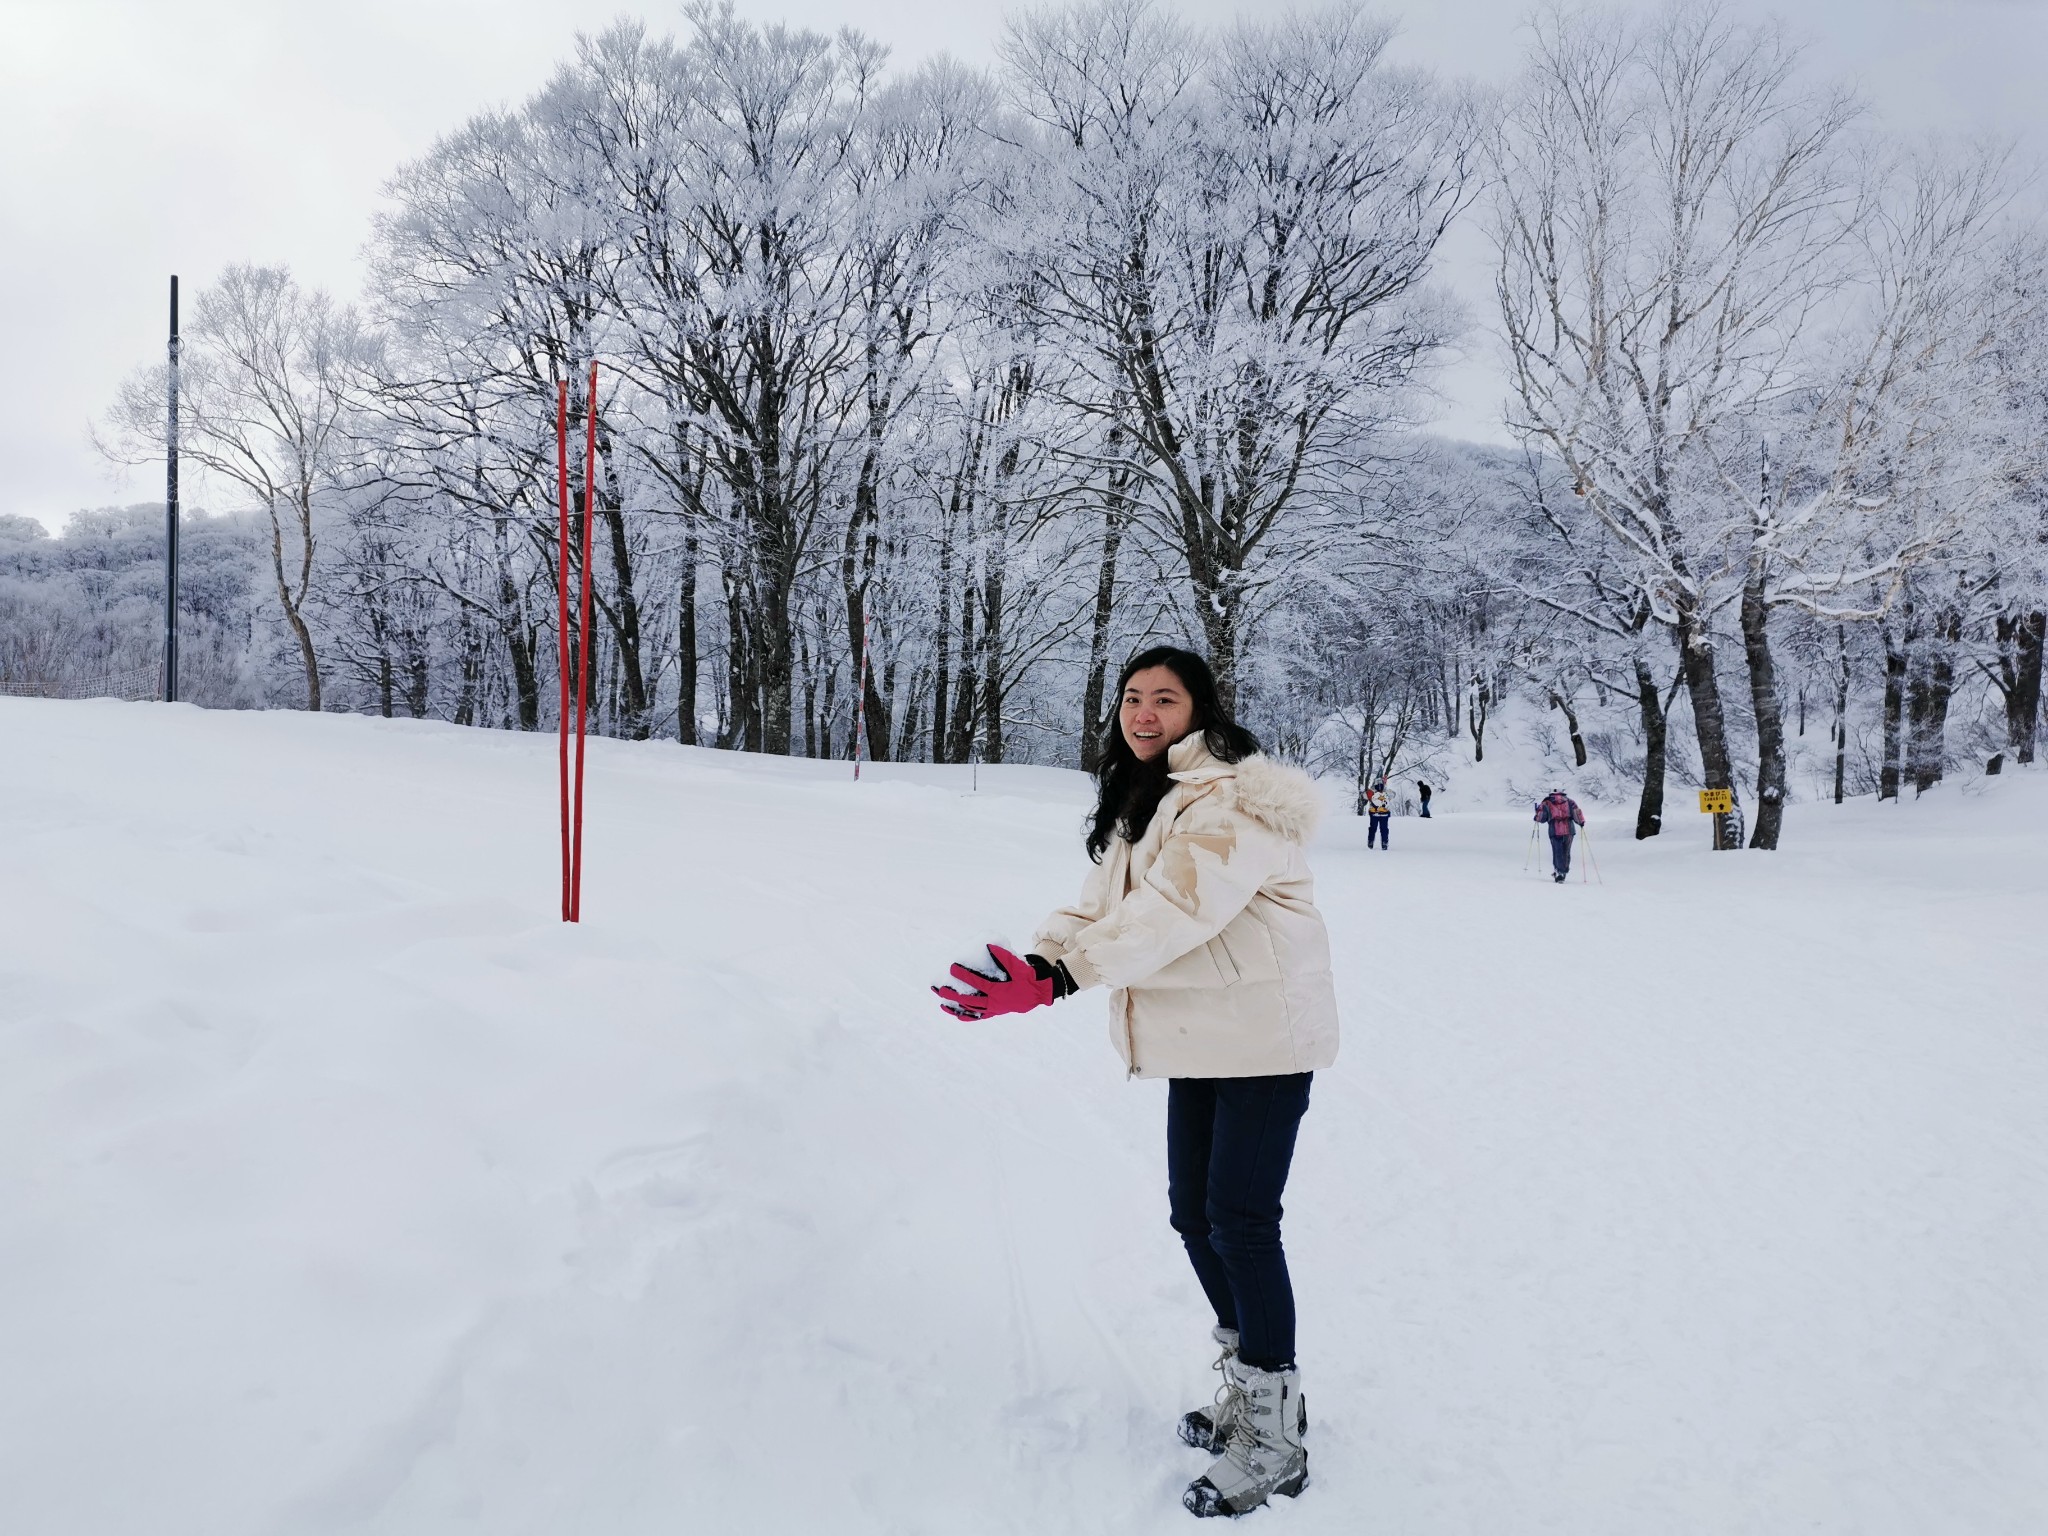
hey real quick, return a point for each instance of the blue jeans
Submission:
(1229, 1141)
(1561, 854)
(1376, 826)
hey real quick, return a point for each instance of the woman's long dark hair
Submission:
(1128, 789)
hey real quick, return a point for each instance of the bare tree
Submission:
(267, 384)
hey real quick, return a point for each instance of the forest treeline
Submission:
(1003, 374)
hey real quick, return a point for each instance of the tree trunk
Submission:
(1769, 708)
(686, 646)
(1915, 772)
(770, 654)
(586, 672)
(291, 603)
(953, 685)
(1650, 810)
(1363, 767)
(416, 681)
(964, 690)
(625, 623)
(1696, 659)
(874, 697)
(992, 664)
(1929, 702)
(1703, 688)
(741, 727)
(1841, 710)
(381, 638)
(815, 730)
(614, 704)
(1477, 706)
(857, 565)
(1897, 657)
(1571, 720)
(2021, 643)
(995, 553)
(292, 616)
(1918, 702)
(913, 718)
(887, 668)
(1216, 603)
(521, 641)
(942, 668)
(471, 670)
(1095, 722)
(306, 660)
(521, 645)
(828, 716)
(1397, 736)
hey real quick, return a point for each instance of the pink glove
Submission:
(1018, 989)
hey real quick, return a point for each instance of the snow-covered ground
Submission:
(344, 1189)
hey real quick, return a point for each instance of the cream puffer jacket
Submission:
(1206, 929)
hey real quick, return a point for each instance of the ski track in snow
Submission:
(348, 1191)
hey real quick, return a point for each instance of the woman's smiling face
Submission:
(1155, 712)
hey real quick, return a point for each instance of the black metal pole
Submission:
(171, 517)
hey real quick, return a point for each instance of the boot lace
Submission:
(1244, 1442)
(1229, 1400)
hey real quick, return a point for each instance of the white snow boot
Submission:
(1263, 1454)
(1208, 1429)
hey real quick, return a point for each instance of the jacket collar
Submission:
(1189, 761)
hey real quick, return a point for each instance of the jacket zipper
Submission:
(1130, 1036)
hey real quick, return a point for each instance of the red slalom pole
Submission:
(583, 652)
(562, 618)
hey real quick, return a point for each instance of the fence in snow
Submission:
(133, 683)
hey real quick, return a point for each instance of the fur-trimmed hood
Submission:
(1275, 795)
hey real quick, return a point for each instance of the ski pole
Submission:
(1591, 862)
(1529, 852)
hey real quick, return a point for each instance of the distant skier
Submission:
(1565, 818)
(1423, 789)
(1200, 920)
(1377, 814)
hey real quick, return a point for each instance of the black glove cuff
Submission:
(1056, 972)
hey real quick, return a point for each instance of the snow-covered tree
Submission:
(1235, 233)
(267, 386)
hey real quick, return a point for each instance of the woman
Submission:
(1200, 920)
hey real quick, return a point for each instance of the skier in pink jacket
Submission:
(1565, 818)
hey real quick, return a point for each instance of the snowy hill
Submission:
(347, 1190)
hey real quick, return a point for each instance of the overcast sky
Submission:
(140, 138)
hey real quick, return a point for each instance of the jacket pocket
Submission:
(1202, 966)
(1226, 967)
(1246, 950)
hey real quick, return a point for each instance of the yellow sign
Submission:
(1717, 802)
